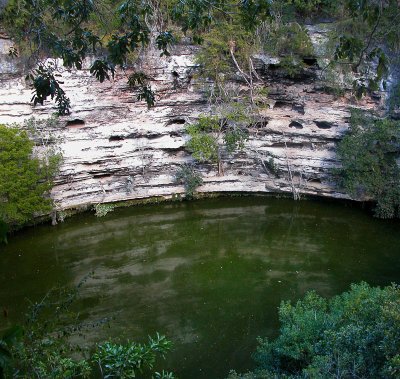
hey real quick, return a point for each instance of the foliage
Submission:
(46, 136)
(365, 32)
(213, 135)
(272, 166)
(102, 210)
(8, 340)
(353, 335)
(25, 180)
(42, 348)
(199, 15)
(214, 57)
(394, 99)
(65, 29)
(288, 39)
(203, 141)
(139, 81)
(44, 85)
(364, 40)
(314, 8)
(189, 178)
(290, 42)
(257, 374)
(114, 31)
(126, 361)
(369, 154)
(163, 41)
(101, 69)
(230, 44)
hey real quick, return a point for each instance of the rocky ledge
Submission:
(115, 149)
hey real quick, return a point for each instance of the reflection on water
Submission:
(208, 274)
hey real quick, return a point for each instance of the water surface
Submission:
(209, 274)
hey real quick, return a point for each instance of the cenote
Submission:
(208, 274)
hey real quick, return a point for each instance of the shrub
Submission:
(272, 166)
(353, 335)
(102, 210)
(126, 361)
(369, 154)
(315, 8)
(25, 180)
(288, 39)
(42, 348)
(224, 132)
(189, 178)
(215, 58)
(394, 98)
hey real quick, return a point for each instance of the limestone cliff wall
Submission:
(116, 149)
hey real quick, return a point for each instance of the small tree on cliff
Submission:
(213, 136)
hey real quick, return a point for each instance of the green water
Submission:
(209, 274)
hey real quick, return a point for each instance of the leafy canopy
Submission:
(72, 30)
(25, 180)
(353, 335)
(115, 31)
(369, 155)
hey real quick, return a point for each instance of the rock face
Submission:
(115, 149)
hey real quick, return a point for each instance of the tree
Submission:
(211, 136)
(72, 30)
(369, 154)
(353, 335)
(366, 41)
(117, 34)
(25, 180)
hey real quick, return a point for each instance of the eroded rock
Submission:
(116, 149)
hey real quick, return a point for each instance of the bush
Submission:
(369, 154)
(315, 8)
(353, 335)
(214, 57)
(125, 361)
(102, 210)
(394, 98)
(224, 132)
(25, 180)
(42, 348)
(289, 39)
(189, 178)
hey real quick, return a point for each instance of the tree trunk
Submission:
(220, 167)
(219, 159)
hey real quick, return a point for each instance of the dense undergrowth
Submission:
(26, 177)
(370, 153)
(353, 335)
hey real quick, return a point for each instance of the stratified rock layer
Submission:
(116, 149)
